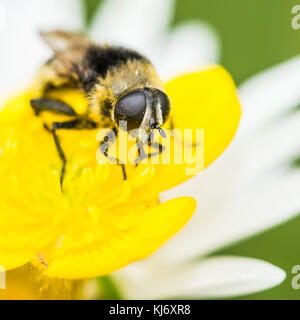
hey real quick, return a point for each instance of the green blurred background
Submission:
(255, 35)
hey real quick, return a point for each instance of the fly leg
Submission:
(160, 148)
(59, 107)
(107, 141)
(76, 124)
(143, 155)
(51, 105)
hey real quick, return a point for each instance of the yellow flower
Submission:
(27, 283)
(99, 223)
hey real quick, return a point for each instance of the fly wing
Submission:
(60, 41)
(69, 50)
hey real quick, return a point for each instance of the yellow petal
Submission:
(202, 100)
(152, 228)
(28, 283)
(10, 259)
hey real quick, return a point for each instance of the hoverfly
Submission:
(120, 85)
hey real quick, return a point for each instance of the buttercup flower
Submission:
(26, 283)
(99, 223)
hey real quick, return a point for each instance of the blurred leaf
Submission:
(297, 108)
(296, 162)
(89, 9)
(108, 289)
(254, 34)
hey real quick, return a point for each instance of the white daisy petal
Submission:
(19, 39)
(132, 23)
(226, 214)
(215, 277)
(266, 95)
(256, 209)
(189, 46)
(268, 150)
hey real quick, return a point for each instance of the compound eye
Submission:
(131, 109)
(164, 104)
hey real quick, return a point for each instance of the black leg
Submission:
(123, 171)
(51, 105)
(107, 141)
(76, 124)
(141, 152)
(172, 126)
(60, 152)
(156, 145)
